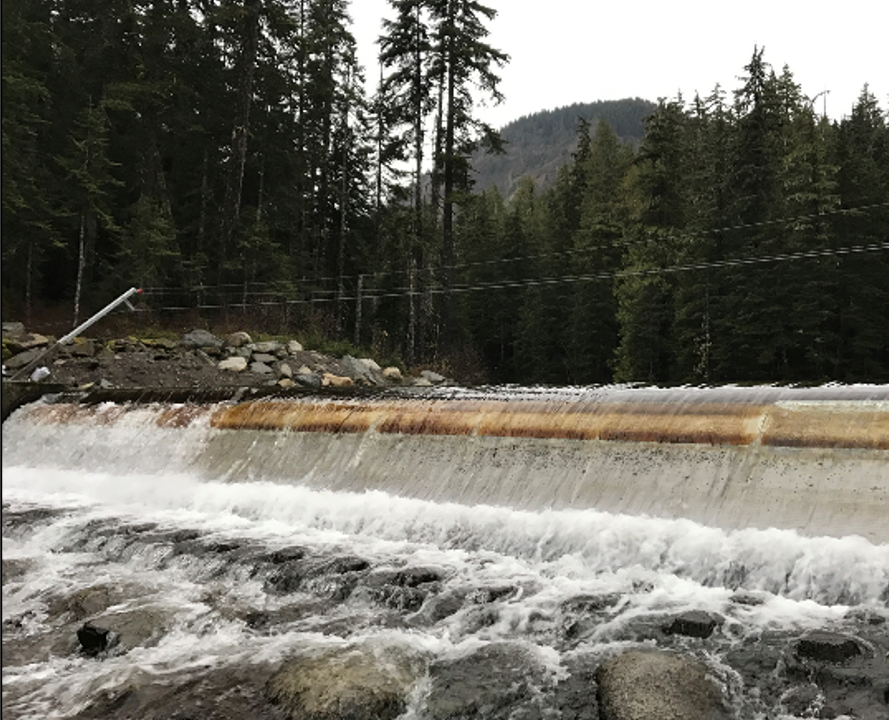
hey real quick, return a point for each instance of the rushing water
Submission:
(212, 579)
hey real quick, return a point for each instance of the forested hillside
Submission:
(224, 155)
(537, 145)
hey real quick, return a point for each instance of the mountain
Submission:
(539, 144)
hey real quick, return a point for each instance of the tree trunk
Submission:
(232, 205)
(81, 264)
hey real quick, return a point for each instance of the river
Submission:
(214, 557)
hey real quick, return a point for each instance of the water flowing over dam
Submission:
(483, 538)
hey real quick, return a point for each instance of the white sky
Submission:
(569, 51)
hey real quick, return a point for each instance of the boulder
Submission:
(461, 687)
(13, 329)
(269, 347)
(285, 371)
(158, 343)
(331, 380)
(81, 347)
(286, 383)
(27, 341)
(293, 347)
(23, 358)
(432, 377)
(263, 357)
(310, 380)
(392, 374)
(198, 338)
(695, 623)
(238, 339)
(261, 368)
(356, 682)
(358, 370)
(94, 640)
(827, 647)
(646, 684)
(235, 364)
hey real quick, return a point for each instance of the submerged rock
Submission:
(462, 687)
(694, 623)
(360, 682)
(645, 684)
(94, 640)
(827, 647)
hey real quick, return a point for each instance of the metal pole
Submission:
(99, 315)
(80, 328)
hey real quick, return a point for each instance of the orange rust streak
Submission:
(701, 423)
(181, 416)
(651, 422)
(827, 427)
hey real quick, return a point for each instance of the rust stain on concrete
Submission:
(815, 425)
(698, 423)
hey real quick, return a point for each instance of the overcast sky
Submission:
(569, 51)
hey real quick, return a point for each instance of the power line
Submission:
(567, 254)
(565, 279)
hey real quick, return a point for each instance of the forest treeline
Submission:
(225, 156)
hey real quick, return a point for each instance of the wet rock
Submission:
(353, 683)
(644, 684)
(334, 578)
(200, 694)
(85, 602)
(749, 598)
(444, 605)
(868, 616)
(695, 623)
(827, 647)
(14, 569)
(484, 595)
(94, 640)
(462, 688)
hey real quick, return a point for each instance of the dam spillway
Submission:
(486, 553)
(814, 460)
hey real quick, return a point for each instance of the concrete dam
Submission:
(815, 460)
(427, 554)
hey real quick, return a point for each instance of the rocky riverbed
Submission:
(196, 359)
(316, 631)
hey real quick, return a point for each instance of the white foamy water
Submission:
(123, 510)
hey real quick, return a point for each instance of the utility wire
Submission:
(566, 254)
(566, 279)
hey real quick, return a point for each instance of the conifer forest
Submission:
(227, 157)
